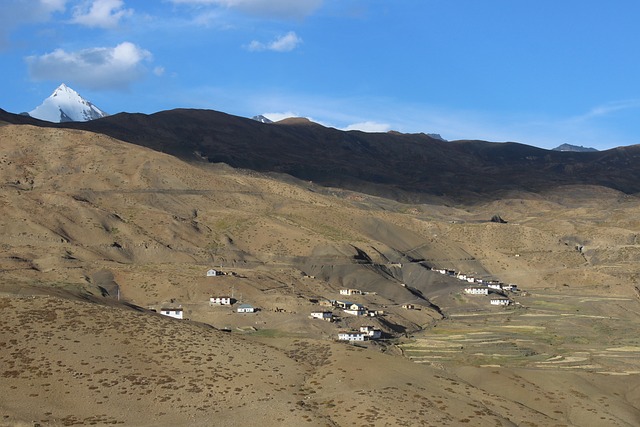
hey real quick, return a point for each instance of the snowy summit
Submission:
(66, 105)
(262, 119)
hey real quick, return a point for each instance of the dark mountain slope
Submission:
(391, 164)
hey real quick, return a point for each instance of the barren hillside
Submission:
(96, 233)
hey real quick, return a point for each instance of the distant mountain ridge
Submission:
(405, 167)
(66, 105)
(574, 148)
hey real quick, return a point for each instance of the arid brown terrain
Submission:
(97, 233)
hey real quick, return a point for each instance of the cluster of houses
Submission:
(178, 313)
(354, 309)
(364, 333)
(479, 286)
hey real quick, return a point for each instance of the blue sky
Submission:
(540, 73)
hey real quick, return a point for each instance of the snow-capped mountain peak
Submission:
(66, 105)
(262, 119)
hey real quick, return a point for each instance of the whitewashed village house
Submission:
(350, 292)
(476, 290)
(372, 333)
(500, 301)
(245, 308)
(352, 336)
(220, 301)
(322, 315)
(176, 313)
(356, 310)
(341, 304)
(213, 273)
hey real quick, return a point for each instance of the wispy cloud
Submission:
(100, 13)
(285, 43)
(18, 12)
(276, 117)
(609, 108)
(369, 126)
(95, 68)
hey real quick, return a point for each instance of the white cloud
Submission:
(100, 13)
(276, 117)
(95, 68)
(369, 126)
(158, 71)
(609, 108)
(285, 43)
(286, 9)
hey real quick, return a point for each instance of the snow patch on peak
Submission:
(66, 105)
(262, 119)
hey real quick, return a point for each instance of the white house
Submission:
(341, 304)
(352, 336)
(350, 292)
(322, 315)
(495, 285)
(176, 313)
(213, 273)
(356, 309)
(500, 301)
(409, 306)
(246, 308)
(510, 287)
(444, 271)
(220, 301)
(476, 290)
(371, 332)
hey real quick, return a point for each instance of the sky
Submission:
(541, 73)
